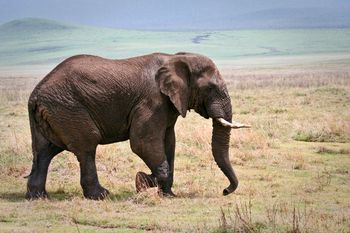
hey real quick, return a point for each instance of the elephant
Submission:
(87, 101)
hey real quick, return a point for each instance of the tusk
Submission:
(224, 122)
(234, 124)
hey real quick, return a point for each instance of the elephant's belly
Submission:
(116, 137)
(113, 127)
(114, 131)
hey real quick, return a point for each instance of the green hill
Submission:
(31, 25)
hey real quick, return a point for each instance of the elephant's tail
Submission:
(33, 131)
(36, 123)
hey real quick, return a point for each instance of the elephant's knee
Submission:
(162, 171)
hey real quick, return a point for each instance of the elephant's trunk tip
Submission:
(230, 189)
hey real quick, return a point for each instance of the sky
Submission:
(143, 13)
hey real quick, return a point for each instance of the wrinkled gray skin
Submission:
(88, 100)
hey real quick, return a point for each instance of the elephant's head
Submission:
(193, 81)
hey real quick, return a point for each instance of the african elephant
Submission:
(88, 100)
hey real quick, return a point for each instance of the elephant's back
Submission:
(102, 72)
(88, 78)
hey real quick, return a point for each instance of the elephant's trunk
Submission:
(220, 149)
(219, 108)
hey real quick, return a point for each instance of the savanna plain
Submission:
(293, 164)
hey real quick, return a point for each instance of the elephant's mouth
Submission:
(201, 110)
(204, 112)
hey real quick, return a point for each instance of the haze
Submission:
(183, 14)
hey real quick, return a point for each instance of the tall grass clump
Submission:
(289, 217)
(330, 129)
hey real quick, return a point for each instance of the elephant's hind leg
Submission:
(78, 132)
(43, 152)
(88, 176)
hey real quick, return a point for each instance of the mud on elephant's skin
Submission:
(88, 100)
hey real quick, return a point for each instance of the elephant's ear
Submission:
(173, 80)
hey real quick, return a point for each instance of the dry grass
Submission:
(278, 217)
(293, 166)
(286, 78)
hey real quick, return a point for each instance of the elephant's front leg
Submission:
(170, 154)
(148, 142)
(152, 152)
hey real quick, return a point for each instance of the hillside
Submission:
(29, 42)
(31, 25)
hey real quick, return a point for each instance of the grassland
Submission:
(293, 165)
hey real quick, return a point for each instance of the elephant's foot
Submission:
(36, 188)
(167, 193)
(36, 194)
(144, 181)
(95, 193)
(165, 189)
